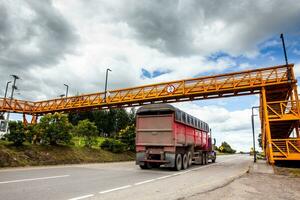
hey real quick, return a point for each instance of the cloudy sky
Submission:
(49, 43)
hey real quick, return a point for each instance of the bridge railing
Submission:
(231, 84)
(283, 110)
(286, 148)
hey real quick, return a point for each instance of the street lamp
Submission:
(106, 83)
(285, 56)
(253, 134)
(67, 89)
(6, 89)
(15, 77)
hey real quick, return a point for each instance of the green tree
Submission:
(122, 119)
(88, 130)
(226, 148)
(55, 129)
(132, 116)
(127, 136)
(259, 139)
(113, 145)
(108, 122)
(100, 118)
(16, 133)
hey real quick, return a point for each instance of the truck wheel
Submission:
(145, 166)
(214, 158)
(189, 156)
(178, 162)
(204, 159)
(155, 165)
(184, 161)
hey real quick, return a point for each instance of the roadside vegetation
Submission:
(224, 148)
(91, 136)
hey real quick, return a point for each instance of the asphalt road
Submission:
(118, 180)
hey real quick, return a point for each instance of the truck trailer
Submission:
(169, 137)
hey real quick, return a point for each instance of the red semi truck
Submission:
(170, 137)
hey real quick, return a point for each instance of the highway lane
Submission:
(117, 180)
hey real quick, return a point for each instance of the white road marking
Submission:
(82, 197)
(180, 173)
(143, 182)
(163, 177)
(33, 179)
(115, 189)
(160, 178)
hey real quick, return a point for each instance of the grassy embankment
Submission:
(33, 155)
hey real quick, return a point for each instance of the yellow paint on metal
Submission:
(279, 104)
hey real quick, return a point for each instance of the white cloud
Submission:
(233, 127)
(173, 36)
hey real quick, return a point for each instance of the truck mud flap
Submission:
(140, 156)
(170, 157)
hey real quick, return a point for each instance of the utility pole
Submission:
(285, 56)
(253, 132)
(67, 91)
(15, 77)
(6, 89)
(284, 49)
(106, 83)
(4, 101)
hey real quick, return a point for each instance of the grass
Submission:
(33, 155)
(79, 142)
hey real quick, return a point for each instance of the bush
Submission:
(54, 129)
(113, 145)
(33, 135)
(226, 148)
(88, 130)
(127, 136)
(16, 133)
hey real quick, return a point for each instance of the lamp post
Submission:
(253, 132)
(6, 89)
(105, 91)
(67, 91)
(15, 77)
(285, 57)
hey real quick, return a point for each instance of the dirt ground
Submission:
(256, 186)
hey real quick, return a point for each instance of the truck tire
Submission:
(214, 158)
(155, 165)
(145, 166)
(189, 156)
(178, 162)
(184, 161)
(204, 159)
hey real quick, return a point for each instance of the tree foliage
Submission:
(55, 129)
(16, 133)
(113, 145)
(226, 148)
(88, 130)
(259, 139)
(127, 136)
(108, 122)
